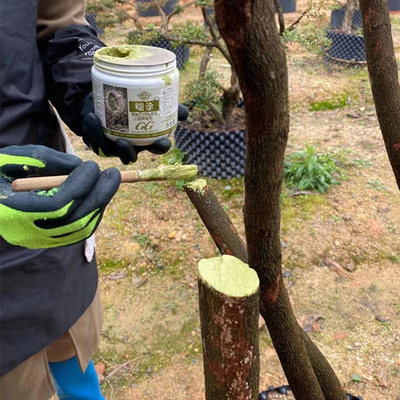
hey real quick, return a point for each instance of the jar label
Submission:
(137, 112)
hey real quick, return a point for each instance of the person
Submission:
(50, 309)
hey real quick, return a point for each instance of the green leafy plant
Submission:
(308, 170)
(205, 92)
(310, 37)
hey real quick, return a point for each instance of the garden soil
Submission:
(341, 253)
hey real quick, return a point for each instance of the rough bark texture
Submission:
(383, 73)
(228, 241)
(217, 222)
(348, 16)
(229, 329)
(249, 30)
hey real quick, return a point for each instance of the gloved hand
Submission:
(93, 136)
(61, 216)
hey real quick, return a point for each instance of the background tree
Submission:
(383, 73)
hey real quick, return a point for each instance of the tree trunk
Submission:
(383, 74)
(229, 329)
(228, 241)
(250, 33)
(348, 16)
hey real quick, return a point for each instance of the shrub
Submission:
(308, 170)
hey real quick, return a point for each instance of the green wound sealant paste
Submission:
(228, 275)
(135, 90)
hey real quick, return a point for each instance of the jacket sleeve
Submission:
(66, 45)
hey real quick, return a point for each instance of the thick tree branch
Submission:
(383, 73)
(249, 30)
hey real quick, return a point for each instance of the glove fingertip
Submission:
(183, 112)
(126, 152)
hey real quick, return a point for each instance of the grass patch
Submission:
(330, 104)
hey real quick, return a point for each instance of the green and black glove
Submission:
(61, 216)
(93, 136)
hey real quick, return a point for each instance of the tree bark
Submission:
(217, 222)
(228, 241)
(249, 30)
(383, 74)
(229, 330)
(348, 16)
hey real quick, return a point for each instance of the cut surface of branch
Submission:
(228, 299)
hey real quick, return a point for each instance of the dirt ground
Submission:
(151, 239)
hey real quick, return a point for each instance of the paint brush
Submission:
(165, 173)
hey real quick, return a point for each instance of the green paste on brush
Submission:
(228, 275)
(118, 54)
(170, 172)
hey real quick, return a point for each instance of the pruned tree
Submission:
(252, 38)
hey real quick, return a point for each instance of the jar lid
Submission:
(133, 55)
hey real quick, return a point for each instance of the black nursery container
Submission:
(219, 155)
(394, 5)
(148, 9)
(346, 49)
(337, 17)
(91, 19)
(288, 6)
(182, 51)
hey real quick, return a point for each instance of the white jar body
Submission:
(141, 106)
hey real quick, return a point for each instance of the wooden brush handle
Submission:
(49, 182)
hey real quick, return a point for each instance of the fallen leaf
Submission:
(382, 380)
(356, 378)
(335, 267)
(115, 277)
(339, 335)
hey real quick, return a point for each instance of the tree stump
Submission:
(229, 309)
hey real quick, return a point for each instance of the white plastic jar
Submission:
(135, 90)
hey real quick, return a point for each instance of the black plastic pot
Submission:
(346, 49)
(182, 51)
(219, 155)
(394, 5)
(148, 9)
(288, 6)
(337, 17)
(91, 19)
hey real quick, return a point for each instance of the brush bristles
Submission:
(169, 172)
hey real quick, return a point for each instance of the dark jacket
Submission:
(46, 53)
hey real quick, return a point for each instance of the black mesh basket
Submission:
(91, 19)
(346, 49)
(288, 6)
(148, 9)
(182, 51)
(394, 5)
(337, 17)
(219, 155)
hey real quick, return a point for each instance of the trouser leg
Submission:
(73, 384)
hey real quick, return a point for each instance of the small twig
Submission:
(216, 112)
(204, 61)
(122, 366)
(304, 13)
(189, 41)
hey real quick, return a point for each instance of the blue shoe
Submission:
(72, 384)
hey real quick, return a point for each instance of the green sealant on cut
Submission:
(198, 185)
(167, 79)
(117, 54)
(228, 275)
(169, 172)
